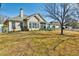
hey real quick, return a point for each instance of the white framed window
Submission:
(13, 25)
(33, 25)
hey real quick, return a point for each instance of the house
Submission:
(55, 24)
(23, 22)
(2, 19)
(1, 25)
(72, 24)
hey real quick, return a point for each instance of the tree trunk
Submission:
(62, 29)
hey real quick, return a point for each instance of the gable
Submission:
(41, 19)
(33, 19)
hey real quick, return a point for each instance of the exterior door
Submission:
(21, 26)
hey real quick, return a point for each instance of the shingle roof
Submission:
(17, 18)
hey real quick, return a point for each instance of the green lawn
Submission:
(39, 43)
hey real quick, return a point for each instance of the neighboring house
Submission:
(2, 19)
(72, 24)
(56, 25)
(23, 22)
(1, 25)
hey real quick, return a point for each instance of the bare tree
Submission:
(0, 5)
(59, 12)
(76, 9)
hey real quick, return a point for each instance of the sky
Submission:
(13, 9)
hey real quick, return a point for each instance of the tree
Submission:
(59, 12)
(0, 5)
(76, 9)
(0, 9)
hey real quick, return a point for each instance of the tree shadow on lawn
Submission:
(67, 35)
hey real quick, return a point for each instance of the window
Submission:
(30, 25)
(13, 25)
(37, 25)
(33, 25)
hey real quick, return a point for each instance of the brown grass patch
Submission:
(39, 43)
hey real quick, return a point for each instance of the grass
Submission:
(39, 43)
